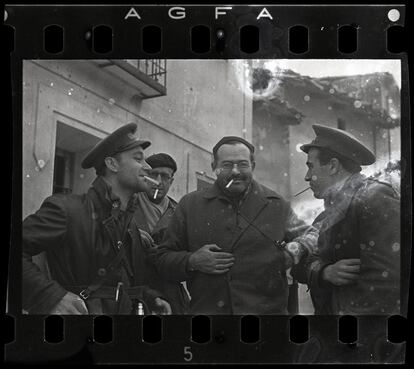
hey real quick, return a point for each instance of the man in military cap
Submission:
(94, 251)
(153, 215)
(228, 241)
(357, 267)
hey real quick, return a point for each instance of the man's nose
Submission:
(307, 176)
(146, 166)
(235, 169)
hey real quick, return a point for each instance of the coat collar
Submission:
(337, 206)
(108, 200)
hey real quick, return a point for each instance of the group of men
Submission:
(125, 247)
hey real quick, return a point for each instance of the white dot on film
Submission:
(393, 15)
(51, 84)
(314, 178)
(331, 91)
(357, 103)
(306, 98)
(396, 247)
(27, 175)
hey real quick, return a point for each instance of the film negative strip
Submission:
(209, 184)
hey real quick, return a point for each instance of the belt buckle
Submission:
(83, 294)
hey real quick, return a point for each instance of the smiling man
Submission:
(357, 267)
(93, 248)
(227, 241)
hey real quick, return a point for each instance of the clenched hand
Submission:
(162, 307)
(70, 304)
(343, 272)
(209, 259)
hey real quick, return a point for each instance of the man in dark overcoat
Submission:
(357, 267)
(153, 216)
(93, 246)
(229, 241)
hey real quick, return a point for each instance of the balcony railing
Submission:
(147, 76)
(154, 68)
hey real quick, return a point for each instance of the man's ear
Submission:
(112, 164)
(334, 166)
(253, 165)
(213, 165)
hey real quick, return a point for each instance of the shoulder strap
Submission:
(113, 265)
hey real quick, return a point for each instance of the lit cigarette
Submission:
(151, 180)
(229, 184)
(156, 194)
(308, 188)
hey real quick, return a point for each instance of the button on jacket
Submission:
(256, 283)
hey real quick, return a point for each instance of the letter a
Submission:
(264, 14)
(132, 14)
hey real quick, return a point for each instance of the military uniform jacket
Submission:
(172, 290)
(79, 234)
(256, 283)
(363, 222)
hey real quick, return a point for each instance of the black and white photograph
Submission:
(211, 187)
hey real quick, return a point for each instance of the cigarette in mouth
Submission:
(156, 194)
(229, 184)
(300, 192)
(151, 180)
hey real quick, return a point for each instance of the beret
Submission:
(161, 160)
(228, 139)
(122, 139)
(342, 143)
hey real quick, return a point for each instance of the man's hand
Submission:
(288, 260)
(162, 307)
(343, 272)
(293, 252)
(70, 304)
(209, 259)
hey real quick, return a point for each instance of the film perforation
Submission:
(201, 329)
(102, 39)
(348, 329)
(250, 327)
(348, 38)
(397, 329)
(152, 39)
(299, 329)
(53, 39)
(9, 37)
(200, 39)
(54, 328)
(152, 329)
(103, 329)
(249, 39)
(9, 327)
(298, 39)
(395, 39)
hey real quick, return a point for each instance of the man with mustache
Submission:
(227, 241)
(152, 216)
(357, 267)
(93, 246)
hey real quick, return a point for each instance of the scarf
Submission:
(152, 212)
